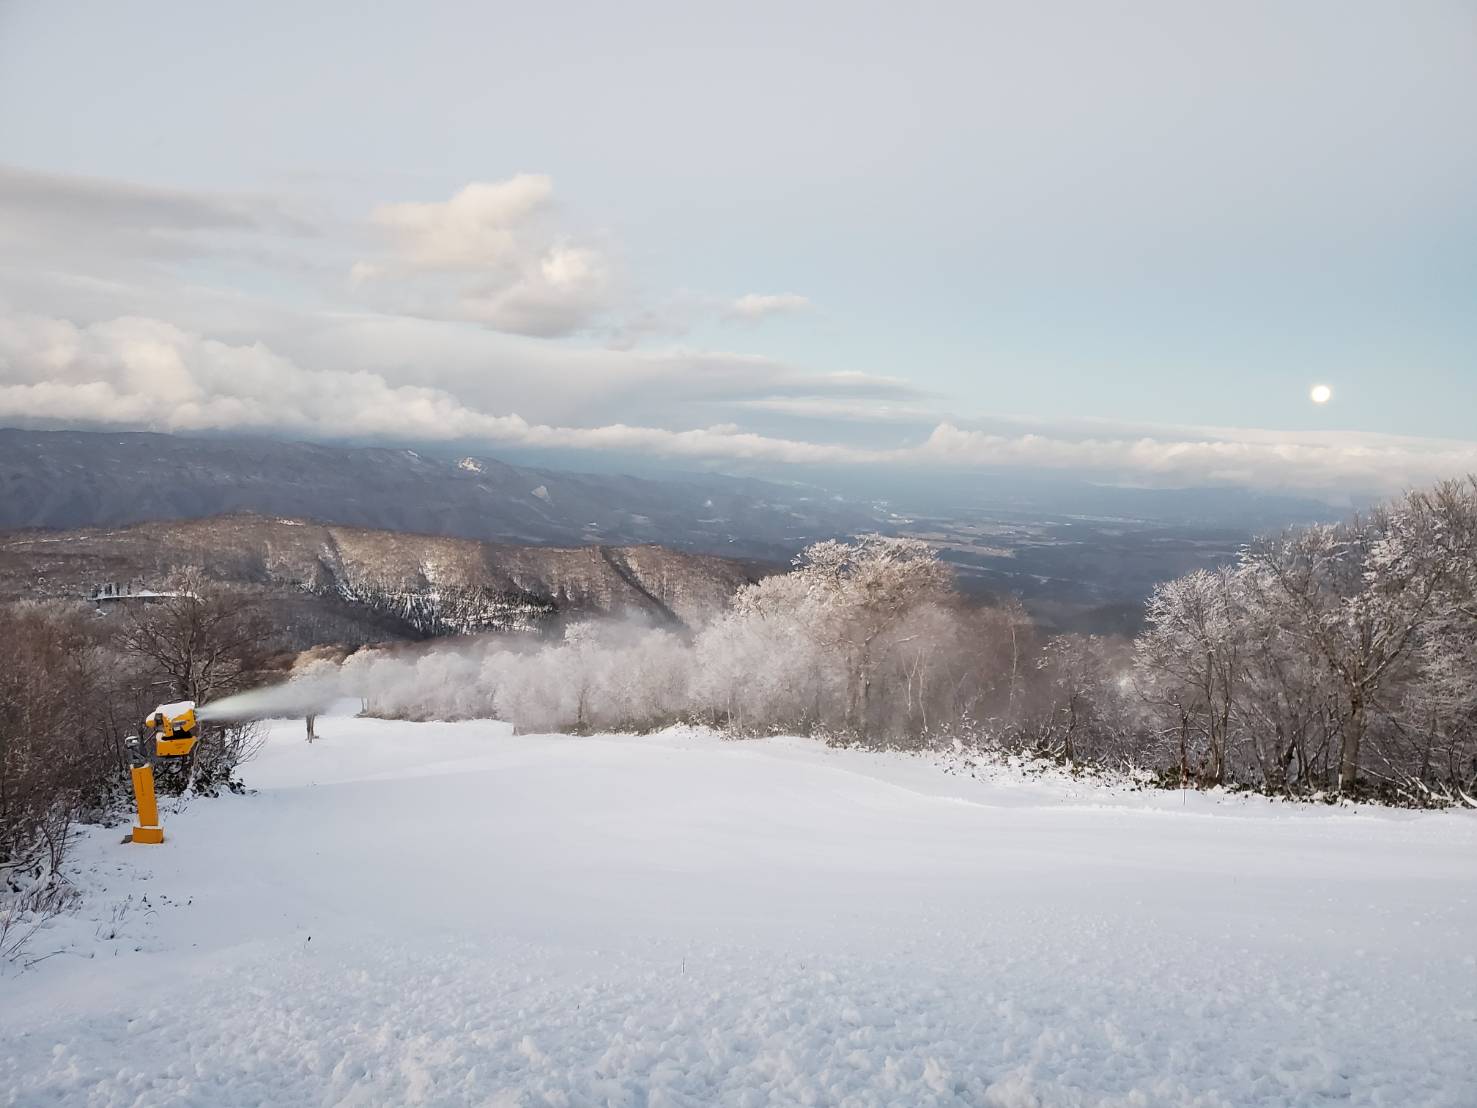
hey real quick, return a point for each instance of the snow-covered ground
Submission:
(444, 914)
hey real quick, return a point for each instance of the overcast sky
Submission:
(1117, 239)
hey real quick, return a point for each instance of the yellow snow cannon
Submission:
(175, 734)
(174, 729)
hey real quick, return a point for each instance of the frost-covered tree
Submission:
(762, 667)
(861, 594)
(1431, 543)
(1191, 657)
(1357, 605)
(1282, 716)
(1080, 686)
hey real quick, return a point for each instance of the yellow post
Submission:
(147, 830)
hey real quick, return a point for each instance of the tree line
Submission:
(1328, 661)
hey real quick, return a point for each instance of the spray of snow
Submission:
(297, 697)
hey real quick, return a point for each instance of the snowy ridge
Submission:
(443, 914)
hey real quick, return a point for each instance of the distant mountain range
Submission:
(68, 479)
(351, 584)
(1031, 536)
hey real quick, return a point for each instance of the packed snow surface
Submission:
(446, 914)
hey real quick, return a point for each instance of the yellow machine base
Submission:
(148, 834)
(173, 747)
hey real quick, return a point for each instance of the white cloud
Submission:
(560, 382)
(1258, 458)
(678, 313)
(491, 254)
(484, 225)
(145, 372)
(138, 372)
(840, 407)
(754, 306)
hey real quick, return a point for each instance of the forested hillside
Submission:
(355, 585)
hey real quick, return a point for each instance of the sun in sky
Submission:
(1320, 394)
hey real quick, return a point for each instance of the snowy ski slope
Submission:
(443, 914)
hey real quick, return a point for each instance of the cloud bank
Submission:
(754, 306)
(150, 374)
